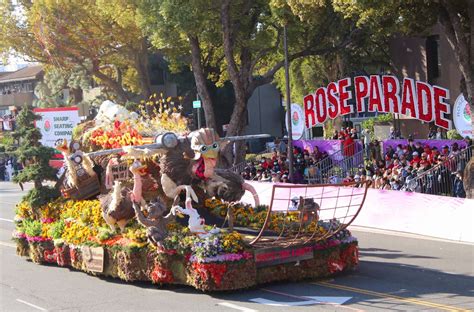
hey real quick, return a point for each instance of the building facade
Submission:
(430, 59)
(17, 88)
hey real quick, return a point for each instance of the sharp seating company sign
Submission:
(385, 94)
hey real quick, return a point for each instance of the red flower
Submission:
(50, 256)
(214, 270)
(335, 265)
(161, 275)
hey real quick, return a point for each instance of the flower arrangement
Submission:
(122, 134)
(87, 212)
(165, 116)
(76, 233)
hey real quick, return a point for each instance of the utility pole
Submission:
(197, 105)
(288, 107)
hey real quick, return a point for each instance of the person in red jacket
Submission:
(348, 146)
(416, 159)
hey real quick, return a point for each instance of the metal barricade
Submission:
(439, 180)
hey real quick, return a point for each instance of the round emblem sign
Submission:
(462, 117)
(297, 121)
(47, 125)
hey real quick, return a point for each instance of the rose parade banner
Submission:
(385, 94)
(56, 123)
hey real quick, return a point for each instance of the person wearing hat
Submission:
(415, 160)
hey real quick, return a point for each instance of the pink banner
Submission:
(437, 216)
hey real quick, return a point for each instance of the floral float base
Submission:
(230, 272)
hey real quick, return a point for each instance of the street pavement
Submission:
(397, 272)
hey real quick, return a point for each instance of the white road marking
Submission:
(8, 220)
(7, 244)
(31, 305)
(330, 300)
(236, 307)
(312, 300)
(284, 303)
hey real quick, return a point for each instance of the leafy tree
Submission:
(417, 16)
(195, 40)
(34, 158)
(50, 90)
(99, 36)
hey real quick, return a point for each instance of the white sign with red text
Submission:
(384, 94)
(56, 123)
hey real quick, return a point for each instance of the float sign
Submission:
(462, 117)
(56, 123)
(297, 121)
(278, 255)
(93, 258)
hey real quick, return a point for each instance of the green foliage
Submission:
(32, 228)
(56, 230)
(105, 233)
(38, 197)
(50, 90)
(453, 134)
(34, 157)
(370, 122)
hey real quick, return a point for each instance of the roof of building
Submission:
(26, 73)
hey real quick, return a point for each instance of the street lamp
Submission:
(288, 107)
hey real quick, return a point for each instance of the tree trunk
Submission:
(114, 85)
(242, 88)
(459, 42)
(462, 48)
(141, 64)
(201, 82)
(76, 94)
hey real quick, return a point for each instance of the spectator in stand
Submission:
(468, 141)
(418, 148)
(282, 146)
(440, 134)
(454, 150)
(335, 135)
(394, 134)
(432, 133)
(445, 151)
(366, 134)
(348, 150)
(353, 134)
(458, 186)
(415, 159)
(317, 155)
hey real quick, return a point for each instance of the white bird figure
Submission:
(195, 223)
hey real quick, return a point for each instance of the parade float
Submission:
(143, 200)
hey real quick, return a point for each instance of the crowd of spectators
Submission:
(403, 163)
(276, 167)
(393, 169)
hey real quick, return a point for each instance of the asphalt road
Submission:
(396, 273)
